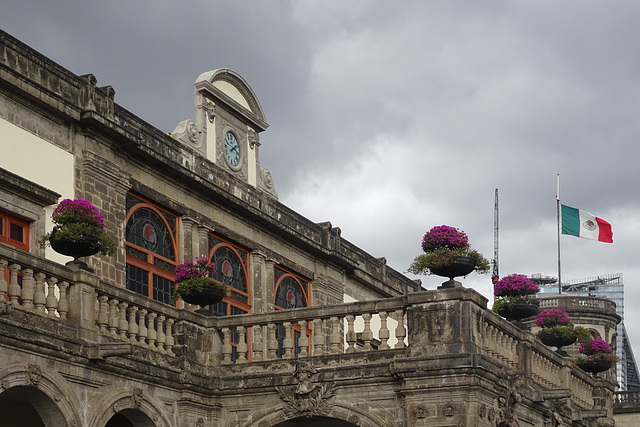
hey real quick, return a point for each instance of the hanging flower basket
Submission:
(195, 286)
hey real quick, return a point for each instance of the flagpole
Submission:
(558, 222)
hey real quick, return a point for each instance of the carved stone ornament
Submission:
(421, 411)
(254, 139)
(449, 409)
(307, 398)
(200, 422)
(482, 411)
(508, 402)
(34, 373)
(136, 398)
(186, 132)
(210, 109)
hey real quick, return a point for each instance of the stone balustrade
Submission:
(427, 324)
(345, 328)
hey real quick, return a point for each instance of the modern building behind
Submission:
(612, 287)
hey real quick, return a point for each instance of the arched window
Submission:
(232, 268)
(151, 249)
(291, 292)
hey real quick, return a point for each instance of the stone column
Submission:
(188, 243)
(257, 281)
(203, 241)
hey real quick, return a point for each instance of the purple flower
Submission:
(444, 237)
(550, 318)
(515, 285)
(74, 211)
(593, 347)
(202, 267)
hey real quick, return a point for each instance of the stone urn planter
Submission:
(595, 366)
(460, 266)
(75, 248)
(552, 339)
(520, 310)
(209, 296)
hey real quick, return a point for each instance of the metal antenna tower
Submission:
(495, 276)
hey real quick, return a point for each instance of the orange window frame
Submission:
(5, 231)
(228, 299)
(304, 287)
(149, 265)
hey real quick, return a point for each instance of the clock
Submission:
(232, 150)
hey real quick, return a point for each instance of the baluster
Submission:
(318, 337)
(152, 335)
(14, 286)
(287, 342)
(38, 296)
(113, 317)
(103, 314)
(256, 343)
(27, 289)
(367, 334)
(242, 345)
(351, 336)
(4, 286)
(226, 346)
(133, 325)
(383, 335)
(303, 342)
(51, 302)
(142, 327)
(123, 325)
(401, 331)
(272, 342)
(334, 336)
(160, 330)
(170, 341)
(63, 301)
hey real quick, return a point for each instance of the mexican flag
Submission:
(579, 223)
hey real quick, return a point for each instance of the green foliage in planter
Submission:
(439, 258)
(504, 303)
(197, 285)
(568, 332)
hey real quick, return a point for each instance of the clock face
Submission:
(232, 149)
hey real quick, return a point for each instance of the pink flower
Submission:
(515, 285)
(444, 237)
(593, 347)
(550, 318)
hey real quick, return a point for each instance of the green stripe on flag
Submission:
(570, 221)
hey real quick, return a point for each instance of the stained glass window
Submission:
(151, 249)
(291, 292)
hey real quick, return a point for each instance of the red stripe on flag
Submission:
(605, 234)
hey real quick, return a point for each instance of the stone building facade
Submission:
(106, 347)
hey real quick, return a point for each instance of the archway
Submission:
(315, 422)
(130, 418)
(29, 407)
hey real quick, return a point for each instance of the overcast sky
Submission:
(388, 118)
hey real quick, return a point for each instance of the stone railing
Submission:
(101, 311)
(345, 328)
(571, 303)
(429, 325)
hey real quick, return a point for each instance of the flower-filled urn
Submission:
(447, 253)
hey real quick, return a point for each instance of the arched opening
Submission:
(315, 422)
(130, 418)
(29, 407)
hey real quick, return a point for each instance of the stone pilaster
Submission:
(106, 186)
(257, 282)
(188, 244)
(202, 241)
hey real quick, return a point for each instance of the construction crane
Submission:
(495, 276)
